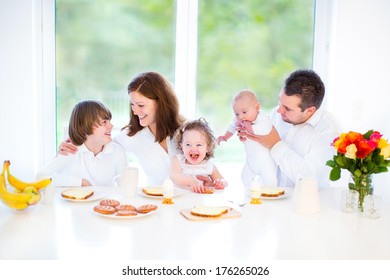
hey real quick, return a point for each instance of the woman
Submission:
(154, 120)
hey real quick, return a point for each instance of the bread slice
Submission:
(209, 211)
(272, 192)
(77, 194)
(156, 191)
(208, 190)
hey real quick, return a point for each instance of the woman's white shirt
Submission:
(99, 170)
(154, 160)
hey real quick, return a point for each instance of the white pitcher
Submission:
(127, 181)
(306, 199)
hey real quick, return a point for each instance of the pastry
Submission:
(146, 208)
(110, 202)
(126, 207)
(104, 209)
(208, 190)
(126, 213)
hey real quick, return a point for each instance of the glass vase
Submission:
(363, 185)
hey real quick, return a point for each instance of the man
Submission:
(302, 133)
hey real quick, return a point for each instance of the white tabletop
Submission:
(68, 230)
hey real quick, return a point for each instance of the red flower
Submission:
(364, 149)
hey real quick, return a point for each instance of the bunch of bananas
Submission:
(24, 193)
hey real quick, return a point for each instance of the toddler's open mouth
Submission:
(194, 156)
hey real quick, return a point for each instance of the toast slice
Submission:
(272, 192)
(209, 211)
(77, 194)
(156, 191)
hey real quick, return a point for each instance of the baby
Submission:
(196, 142)
(248, 117)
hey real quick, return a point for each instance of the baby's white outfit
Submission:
(258, 158)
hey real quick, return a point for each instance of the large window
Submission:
(253, 44)
(101, 45)
(248, 44)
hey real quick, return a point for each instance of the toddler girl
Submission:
(196, 142)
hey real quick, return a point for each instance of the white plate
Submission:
(287, 193)
(176, 192)
(97, 194)
(113, 216)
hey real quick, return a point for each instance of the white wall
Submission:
(359, 64)
(352, 55)
(27, 90)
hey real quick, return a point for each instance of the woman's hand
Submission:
(67, 147)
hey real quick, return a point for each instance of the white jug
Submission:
(306, 199)
(127, 181)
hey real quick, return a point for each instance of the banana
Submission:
(17, 201)
(16, 205)
(3, 185)
(21, 185)
(16, 197)
(3, 188)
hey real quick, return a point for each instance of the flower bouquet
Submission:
(362, 155)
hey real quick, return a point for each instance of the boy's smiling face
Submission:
(101, 133)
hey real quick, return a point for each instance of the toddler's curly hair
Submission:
(202, 126)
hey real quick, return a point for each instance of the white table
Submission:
(71, 231)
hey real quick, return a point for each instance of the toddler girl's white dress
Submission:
(205, 168)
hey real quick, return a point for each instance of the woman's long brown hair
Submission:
(154, 86)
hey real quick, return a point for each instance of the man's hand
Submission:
(267, 141)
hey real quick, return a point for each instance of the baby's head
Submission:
(85, 117)
(196, 140)
(246, 106)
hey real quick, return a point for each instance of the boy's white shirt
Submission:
(99, 170)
